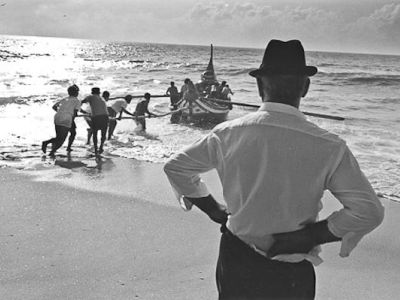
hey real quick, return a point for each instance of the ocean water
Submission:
(35, 72)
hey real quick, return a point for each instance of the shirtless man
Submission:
(173, 94)
(141, 109)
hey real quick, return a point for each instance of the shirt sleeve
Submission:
(183, 170)
(362, 211)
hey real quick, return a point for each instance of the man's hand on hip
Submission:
(216, 211)
(303, 240)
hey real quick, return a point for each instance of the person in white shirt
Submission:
(66, 111)
(274, 167)
(117, 107)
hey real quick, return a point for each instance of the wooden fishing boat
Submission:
(202, 107)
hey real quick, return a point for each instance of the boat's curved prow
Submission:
(209, 74)
(210, 66)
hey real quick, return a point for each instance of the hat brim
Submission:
(307, 70)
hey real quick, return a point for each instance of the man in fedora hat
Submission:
(274, 167)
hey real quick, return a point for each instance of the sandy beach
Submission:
(117, 232)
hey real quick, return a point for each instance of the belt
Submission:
(226, 231)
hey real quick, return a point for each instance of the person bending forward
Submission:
(117, 107)
(142, 108)
(66, 110)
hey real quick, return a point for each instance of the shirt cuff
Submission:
(313, 257)
(349, 240)
(200, 191)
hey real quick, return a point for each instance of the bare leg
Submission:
(89, 135)
(112, 124)
(103, 139)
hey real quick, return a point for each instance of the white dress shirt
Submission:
(118, 105)
(274, 166)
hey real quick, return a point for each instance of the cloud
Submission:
(381, 28)
(248, 25)
(337, 25)
(321, 28)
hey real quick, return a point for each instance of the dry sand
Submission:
(116, 232)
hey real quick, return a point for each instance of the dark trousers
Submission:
(72, 135)
(61, 135)
(242, 273)
(99, 122)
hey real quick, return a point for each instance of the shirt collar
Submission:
(281, 108)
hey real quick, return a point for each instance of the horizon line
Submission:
(185, 44)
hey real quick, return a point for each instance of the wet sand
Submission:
(115, 231)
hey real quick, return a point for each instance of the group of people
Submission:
(274, 167)
(190, 91)
(219, 91)
(101, 115)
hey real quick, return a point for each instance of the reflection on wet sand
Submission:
(92, 167)
(100, 165)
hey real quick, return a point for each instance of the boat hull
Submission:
(202, 109)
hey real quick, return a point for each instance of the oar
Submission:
(257, 106)
(389, 196)
(139, 96)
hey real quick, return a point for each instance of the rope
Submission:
(156, 116)
(392, 197)
(141, 117)
(138, 96)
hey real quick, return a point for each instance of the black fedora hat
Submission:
(284, 58)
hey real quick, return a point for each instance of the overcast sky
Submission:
(371, 26)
